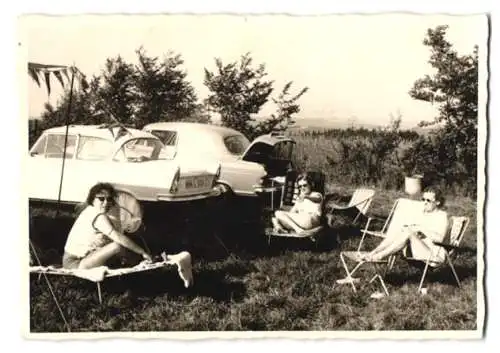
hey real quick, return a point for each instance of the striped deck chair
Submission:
(288, 198)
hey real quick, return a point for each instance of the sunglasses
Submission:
(102, 198)
(427, 200)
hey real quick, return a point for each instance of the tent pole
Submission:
(65, 139)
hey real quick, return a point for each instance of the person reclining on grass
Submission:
(430, 225)
(305, 213)
(95, 236)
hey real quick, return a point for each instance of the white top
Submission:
(89, 232)
(433, 224)
(308, 206)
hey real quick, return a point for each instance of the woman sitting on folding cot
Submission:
(430, 225)
(306, 211)
(96, 235)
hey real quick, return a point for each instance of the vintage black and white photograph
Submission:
(255, 174)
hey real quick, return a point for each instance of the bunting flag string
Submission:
(39, 72)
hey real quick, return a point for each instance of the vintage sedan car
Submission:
(130, 159)
(245, 165)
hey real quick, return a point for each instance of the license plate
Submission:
(196, 183)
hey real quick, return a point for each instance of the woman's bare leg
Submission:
(297, 224)
(277, 225)
(388, 241)
(100, 256)
(398, 243)
(276, 220)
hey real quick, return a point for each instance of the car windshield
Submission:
(139, 150)
(54, 146)
(236, 144)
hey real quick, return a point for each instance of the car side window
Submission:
(139, 150)
(52, 146)
(168, 137)
(236, 144)
(92, 148)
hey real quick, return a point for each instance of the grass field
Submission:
(289, 285)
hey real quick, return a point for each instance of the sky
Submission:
(357, 67)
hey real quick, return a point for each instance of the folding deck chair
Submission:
(360, 202)
(402, 212)
(289, 194)
(450, 246)
(129, 212)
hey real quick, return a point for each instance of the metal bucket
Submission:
(413, 184)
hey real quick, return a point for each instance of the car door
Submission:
(87, 168)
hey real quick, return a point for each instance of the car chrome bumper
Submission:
(215, 192)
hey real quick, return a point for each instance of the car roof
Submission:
(185, 126)
(102, 131)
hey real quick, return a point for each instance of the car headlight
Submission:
(175, 183)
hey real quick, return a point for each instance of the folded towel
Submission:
(95, 274)
(184, 266)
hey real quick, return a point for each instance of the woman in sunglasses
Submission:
(96, 235)
(428, 226)
(305, 213)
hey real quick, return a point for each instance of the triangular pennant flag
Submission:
(58, 75)
(34, 75)
(47, 81)
(65, 72)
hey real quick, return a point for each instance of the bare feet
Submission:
(277, 226)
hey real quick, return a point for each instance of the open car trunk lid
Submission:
(273, 151)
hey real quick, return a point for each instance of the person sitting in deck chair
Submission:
(430, 225)
(306, 211)
(96, 235)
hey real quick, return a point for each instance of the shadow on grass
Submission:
(207, 283)
(413, 274)
(213, 283)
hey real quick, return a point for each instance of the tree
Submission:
(161, 90)
(454, 88)
(239, 90)
(115, 91)
(133, 95)
(286, 107)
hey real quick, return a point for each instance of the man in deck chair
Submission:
(96, 236)
(428, 226)
(306, 211)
